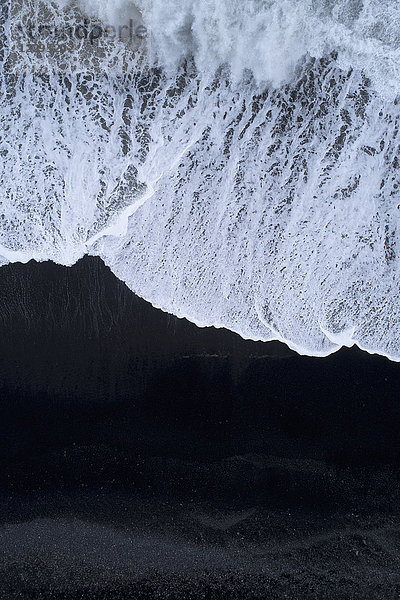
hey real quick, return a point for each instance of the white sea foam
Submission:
(269, 37)
(254, 186)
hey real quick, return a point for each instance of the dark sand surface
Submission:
(143, 457)
(108, 544)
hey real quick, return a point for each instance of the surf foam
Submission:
(247, 177)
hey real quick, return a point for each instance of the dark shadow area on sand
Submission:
(143, 457)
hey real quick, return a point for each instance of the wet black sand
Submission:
(142, 457)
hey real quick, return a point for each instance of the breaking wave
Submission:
(238, 166)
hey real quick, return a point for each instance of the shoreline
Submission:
(129, 437)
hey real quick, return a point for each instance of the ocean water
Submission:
(236, 163)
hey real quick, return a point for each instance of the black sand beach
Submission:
(143, 457)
